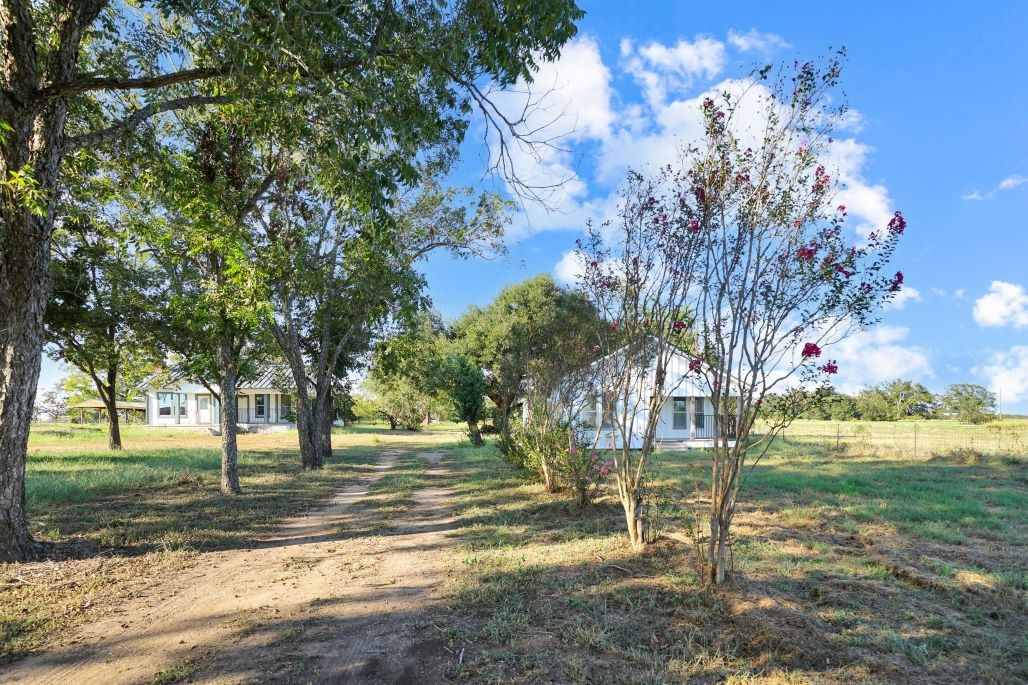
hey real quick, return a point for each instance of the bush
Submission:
(556, 454)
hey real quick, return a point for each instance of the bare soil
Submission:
(314, 602)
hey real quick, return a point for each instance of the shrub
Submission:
(555, 452)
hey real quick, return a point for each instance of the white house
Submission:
(686, 417)
(264, 402)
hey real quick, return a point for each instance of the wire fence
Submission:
(914, 438)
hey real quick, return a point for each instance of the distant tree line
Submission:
(903, 399)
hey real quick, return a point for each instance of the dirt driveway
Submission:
(314, 603)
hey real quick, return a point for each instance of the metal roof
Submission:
(99, 404)
(267, 375)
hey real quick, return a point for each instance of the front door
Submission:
(203, 408)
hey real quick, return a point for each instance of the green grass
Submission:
(849, 568)
(117, 519)
(851, 565)
(917, 436)
(170, 498)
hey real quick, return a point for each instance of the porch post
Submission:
(692, 418)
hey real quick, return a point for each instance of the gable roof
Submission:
(267, 375)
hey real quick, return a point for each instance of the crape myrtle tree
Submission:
(781, 276)
(102, 286)
(639, 271)
(78, 74)
(337, 275)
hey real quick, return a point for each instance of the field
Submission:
(852, 564)
(1008, 437)
(850, 567)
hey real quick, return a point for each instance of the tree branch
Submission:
(89, 82)
(131, 121)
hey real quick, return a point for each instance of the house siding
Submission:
(679, 383)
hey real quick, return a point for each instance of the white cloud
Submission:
(959, 293)
(569, 268)
(755, 41)
(1008, 183)
(905, 295)
(1007, 373)
(610, 131)
(868, 203)
(663, 70)
(1011, 182)
(570, 101)
(877, 355)
(1006, 304)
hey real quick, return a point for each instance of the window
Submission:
(589, 413)
(680, 413)
(287, 404)
(165, 402)
(259, 405)
(700, 418)
(171, 404)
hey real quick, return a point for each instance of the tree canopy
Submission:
(527, 322)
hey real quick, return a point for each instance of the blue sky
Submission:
(942, 135)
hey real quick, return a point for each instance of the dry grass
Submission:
(116, 520)
(848, 568)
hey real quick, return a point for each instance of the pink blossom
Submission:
(811, 350)
(831, 368)
(695, 365)
(897, 224)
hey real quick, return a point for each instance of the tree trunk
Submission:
(229, 418)
(631, 501)
(109, 393)
(717, 551)
(502, 420)
(548, 480)
(306, 433)
(21, 347)
(475, 434)
(24, 290)
(113, 424)
(326, 418)
(327, 423)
